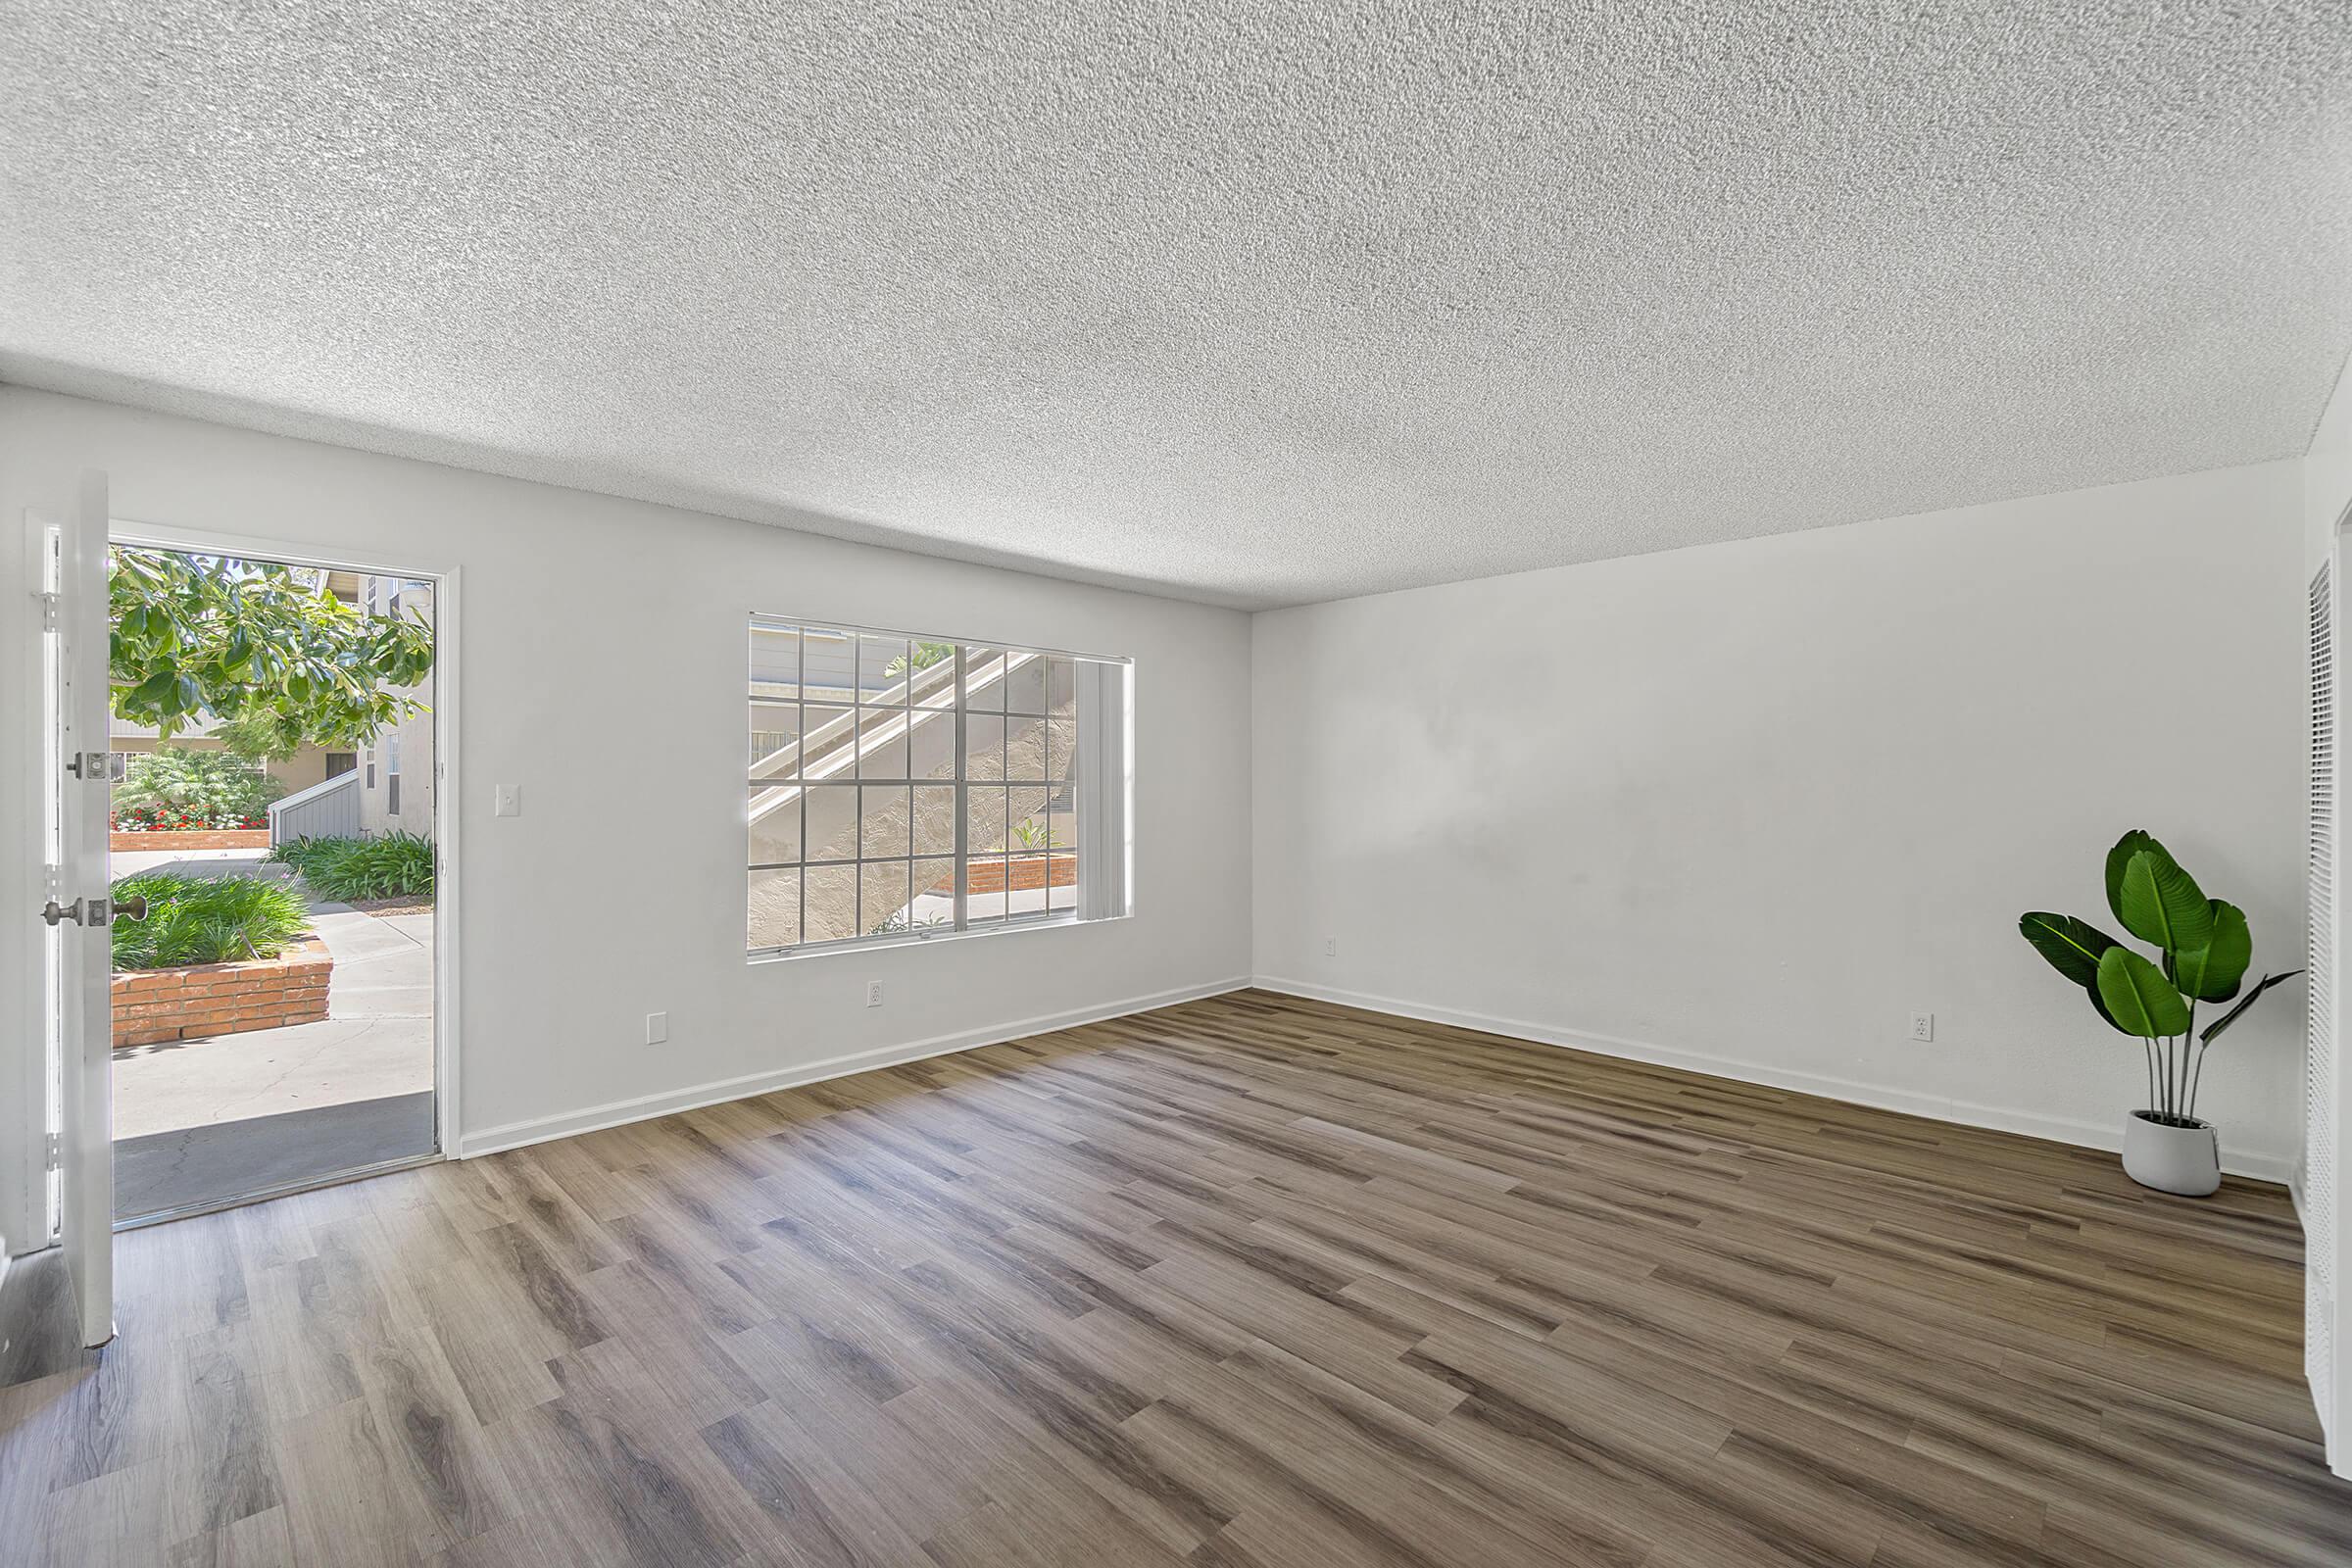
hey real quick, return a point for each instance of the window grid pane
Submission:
(935, 819)
(882, 822)
(882, 897)
(776, 908)
(933, 682)
(882, 743)
(824, 730)
(829, 902)
(984, 813)
(776, 662)
(775, 739)
(985, 684)
(1025, 683)
(985, 898)
(1024, 750)
(984, 748)
(933, 890)
(881, 669)
(775, 824)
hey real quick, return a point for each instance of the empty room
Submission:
(1344, 785)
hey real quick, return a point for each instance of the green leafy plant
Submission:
(1028, 835)
(395, 866)
(257, 645)
(201, 919)
(925, 656)
(2204, 948)
(207, 784)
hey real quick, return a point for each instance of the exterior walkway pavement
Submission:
(204, 1120)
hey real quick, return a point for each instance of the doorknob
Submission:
(95, 912)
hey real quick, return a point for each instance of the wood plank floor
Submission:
(1252, 1281)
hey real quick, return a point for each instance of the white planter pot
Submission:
(2172, 1160)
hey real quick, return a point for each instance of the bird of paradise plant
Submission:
(2204, 950)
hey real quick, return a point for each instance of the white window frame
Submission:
(1101, 769)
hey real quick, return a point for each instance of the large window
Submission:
(907, 786)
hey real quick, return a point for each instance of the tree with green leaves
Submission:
(261, 649)
(263, 735)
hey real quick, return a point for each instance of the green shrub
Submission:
(209, 784)
(395, 866)
(202, 919)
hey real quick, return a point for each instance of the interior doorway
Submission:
(278, 735)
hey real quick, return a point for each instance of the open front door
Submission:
(77, 775)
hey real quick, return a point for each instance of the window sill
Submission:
(1058, 922)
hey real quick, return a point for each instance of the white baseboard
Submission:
(1998, 1118)
(619, 1112)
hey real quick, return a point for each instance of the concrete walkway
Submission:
(203, 1120)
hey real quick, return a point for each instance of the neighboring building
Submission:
(396, 771)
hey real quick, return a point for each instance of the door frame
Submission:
(447, 790)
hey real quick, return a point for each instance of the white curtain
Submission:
(1103, 787)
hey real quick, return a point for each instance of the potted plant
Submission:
(2204, 948)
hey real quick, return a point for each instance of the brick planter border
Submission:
(204, 1000)
(232, 838)
(1028, 874)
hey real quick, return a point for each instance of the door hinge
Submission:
(53, 1149)
(49, 609)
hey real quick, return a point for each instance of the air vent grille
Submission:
(2319, 1051)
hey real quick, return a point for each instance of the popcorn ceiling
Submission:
(1251, 303)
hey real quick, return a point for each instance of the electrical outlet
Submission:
(1923, 1027)
(1331, 947)
(656, 1028)
(873, 992)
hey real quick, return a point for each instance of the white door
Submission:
(76, 768)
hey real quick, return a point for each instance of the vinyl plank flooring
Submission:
(1247, 1283)
(353, 1497)
(822, 1516)
(257, 1541)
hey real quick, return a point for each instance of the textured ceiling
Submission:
(1250, 302)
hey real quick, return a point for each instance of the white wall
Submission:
(601, 648)
(2328, 473)
(1746, 806)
